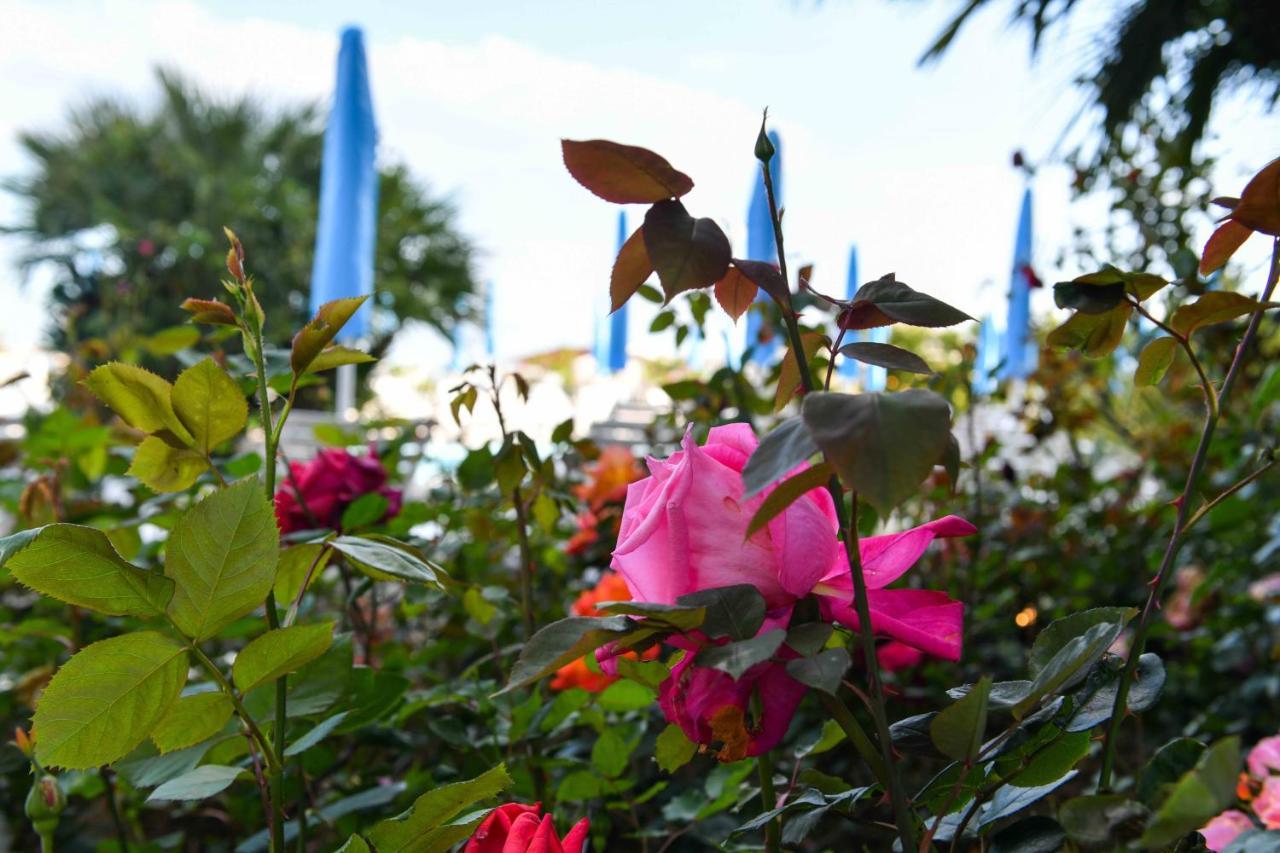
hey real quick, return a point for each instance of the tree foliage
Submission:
(128, 204)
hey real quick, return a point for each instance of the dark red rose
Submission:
(317, 492)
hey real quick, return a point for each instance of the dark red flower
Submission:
(316, 493)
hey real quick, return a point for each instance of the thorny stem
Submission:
(1180, 526)
(241, 711)
(849, 535)
(270, 438)
(1210, 397)
(526, 555)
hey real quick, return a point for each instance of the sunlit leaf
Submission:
(630, 270)
(1154, 361)
(623, 174)
(319, 332)
(280, 652)
(107, 699)
(78, 565)
(735, 293)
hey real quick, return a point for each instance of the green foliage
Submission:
(280, 652)
(190, 720)
(881, 445)
(146, 175)
(432, 823)
(107, 699)
(80, 566)
(222, 559)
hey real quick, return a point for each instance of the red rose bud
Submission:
(517, 828)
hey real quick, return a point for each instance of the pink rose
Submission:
(1223, 829)
(517, 828)
(684, 529)
(1264, 758)
(1267, 804)
(711, 708)
(317, 492)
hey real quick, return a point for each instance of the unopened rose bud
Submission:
(764, 145)
(45, 802)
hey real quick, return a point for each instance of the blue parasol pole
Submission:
(347, 229)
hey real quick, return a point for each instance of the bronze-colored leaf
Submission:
(630, 270)
(1095, 335)
(209, 311)
(1216, 306)
(320, 331)
(687, 253)
(789, 373)
(1259, 207)
(1224, 242)
(623, 174)
(735, 293)
(767, 277)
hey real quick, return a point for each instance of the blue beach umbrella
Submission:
(761, 245)
(988, 357)
(1019, 350)
(617, 348)
(347, 229)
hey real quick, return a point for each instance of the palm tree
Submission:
(128, 205)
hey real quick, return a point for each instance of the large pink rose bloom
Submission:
(1223, 829)
(316, 493)
(684, 529)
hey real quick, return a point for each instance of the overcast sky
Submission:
(910, 164)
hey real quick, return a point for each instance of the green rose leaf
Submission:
(1092, 820)
(1095, 335)
(319, 332)
(738, 657)
(1061, 631)
(108, 699)
(673, 749)
(781, 450)
(78, 565)
(201, 783)
(1154, 361)
(1202, 792)
(1216, 306)
(384, 558)
(280, 652)
(958, 729)
(736, 612)
(788, 492)
(1069, 665)
(887, 301)
(887, 356)
(611, 753)
(222, 557)
(209, 404)
(560, 642)
(190, 720)
(881, 445)
(822, 671)
(430, 823)
(162, 467)
(141, 398)
(337, 356)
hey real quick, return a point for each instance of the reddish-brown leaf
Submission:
(1259, 206)
(209, 311)
(630, 270)
(1222, 245)
(768, 278)
(863, 315)
(789, 383)
(623, 174)
(804, 276)
(735, 293)
(312, 338)
(686, 253)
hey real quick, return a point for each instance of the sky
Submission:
(910, 164)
